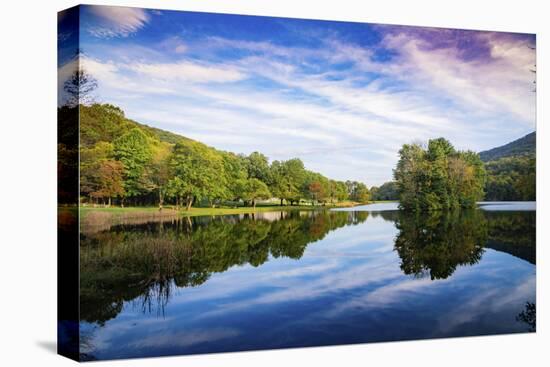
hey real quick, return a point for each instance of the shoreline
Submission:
(97, 218)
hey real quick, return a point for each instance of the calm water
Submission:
(299, 279)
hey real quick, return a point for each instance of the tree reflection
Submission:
(529, 316)
(513, 233)
(435, 244)
(141, 263)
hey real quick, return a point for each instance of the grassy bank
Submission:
(98, 218)
(198, 211)
(195, 211)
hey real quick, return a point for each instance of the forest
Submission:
(438, 177)
(511, 170)
(129, 164)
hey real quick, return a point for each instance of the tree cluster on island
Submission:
(438, 177)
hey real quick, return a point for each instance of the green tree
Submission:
(110, 181)
(439, 177)
(357, 191)
(386, 191)
(235, 170)
(253, 190)
(257, 166)
(511, 178)
(159, 171)
(198, 173)
(288, 177)
(133, 150)
(90, 161)
(316, 191)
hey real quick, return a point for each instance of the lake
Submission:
(298, 279)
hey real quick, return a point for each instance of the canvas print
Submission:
(235, 183)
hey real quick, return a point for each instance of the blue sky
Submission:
(341, 96)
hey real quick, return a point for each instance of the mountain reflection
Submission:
(144, 263)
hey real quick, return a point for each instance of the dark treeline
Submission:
(511, 170)
(386, 191)
(134, 164)
(511, 179)
(513, 233)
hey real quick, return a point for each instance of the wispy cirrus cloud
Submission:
(110, 22)
(187, 71)
(343, 106)
(487, 71)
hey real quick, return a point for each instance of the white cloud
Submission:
(187, 71)
(501, 83)
(311, 110)
(174, 44)
(114, 21)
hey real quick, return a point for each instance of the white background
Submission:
(28, 183)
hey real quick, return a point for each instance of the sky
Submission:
(341, 96)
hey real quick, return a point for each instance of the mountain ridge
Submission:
(525, 145)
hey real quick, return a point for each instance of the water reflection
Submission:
(312, 271)
(140, 262)
(529, 316)
(434, 245)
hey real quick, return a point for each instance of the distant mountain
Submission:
(523, 146)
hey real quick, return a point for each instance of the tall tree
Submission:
(254, 190)
(258, 167)
(357, 191)
(79, 88)
(316, 190)
(159, 171)
(198, 173)
(90, 161)
(133, 150)
(288, 178)
(110, 181)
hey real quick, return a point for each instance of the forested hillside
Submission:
(128, 163)
(134, 164)
(522, 147)
(511, 170)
